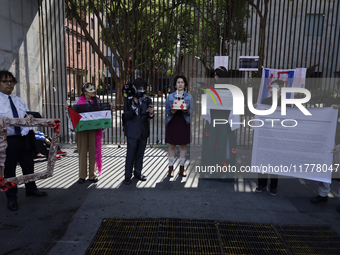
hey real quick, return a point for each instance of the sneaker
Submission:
(319, 199)
(58, 156)
(61, 153)
(273, 192)
(39, 155)
(260, 189)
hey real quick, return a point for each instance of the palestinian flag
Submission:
(90, 120)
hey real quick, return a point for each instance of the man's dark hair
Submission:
(139, 82)
(221, 72)
(5, 73)
(278, 82)
(184, 79)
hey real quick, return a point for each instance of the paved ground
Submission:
(66, 221)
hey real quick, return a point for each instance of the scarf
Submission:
(99, 136)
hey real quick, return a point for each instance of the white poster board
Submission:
(302, 151)
(221, 61)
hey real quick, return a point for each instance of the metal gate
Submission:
(110, 42)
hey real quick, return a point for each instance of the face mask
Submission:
(90, 89)
(139, 94)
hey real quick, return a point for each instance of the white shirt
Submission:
(6, 111)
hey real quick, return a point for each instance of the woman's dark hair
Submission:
(139, 82)
(5, 73)
(181, 77)
(221, 72)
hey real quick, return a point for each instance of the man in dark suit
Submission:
(137, 112)
(19, 140)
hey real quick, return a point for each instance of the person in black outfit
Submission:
(20, 140)
(262, 182)
(137, 112)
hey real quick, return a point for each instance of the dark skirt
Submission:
(177, 131)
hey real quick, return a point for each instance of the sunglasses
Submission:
(7, 81)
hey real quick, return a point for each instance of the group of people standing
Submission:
(137, 112)
(138, 109)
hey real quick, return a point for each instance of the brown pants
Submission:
(86, 142)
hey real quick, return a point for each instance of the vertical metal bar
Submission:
(249, 28)
(336, 29)
(301, 33)
(42, 55)
(101, 64)
(60, 73)
(252, 40)
(90, 48)
(64, 67)
(233, 53)
(195, 120)
(177, 49)
(314, 34)
(57, 70)
(185, 66)
(268, 44)
(320, 67)
(286, 36)
(164, 76)
(276, 43)
(48, 100)
(272, 44)
(295, 31)
(51, 64)
(255, 42)
(305, 57)
(280, 39)
(329, 22)
(114, 16)
(157, 80)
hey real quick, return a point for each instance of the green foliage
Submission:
(148, 35)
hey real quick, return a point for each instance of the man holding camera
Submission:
(138, 110)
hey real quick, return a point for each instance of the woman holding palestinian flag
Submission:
(88, 119)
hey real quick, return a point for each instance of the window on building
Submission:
(314, 24)
(78, 46)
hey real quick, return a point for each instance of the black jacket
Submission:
(137, 126)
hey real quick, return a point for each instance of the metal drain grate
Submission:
(250, 238)
(182, 236)
(310, 239)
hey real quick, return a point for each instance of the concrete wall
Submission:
(19, 48)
